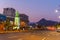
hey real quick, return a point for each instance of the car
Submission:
(58, 30)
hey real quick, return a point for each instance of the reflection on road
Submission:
(36, 35)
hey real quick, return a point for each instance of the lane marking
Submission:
(12, 37)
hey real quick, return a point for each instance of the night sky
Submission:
(35, 9)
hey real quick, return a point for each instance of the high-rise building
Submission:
(24, 20)
(17, 21)
(24, 17)
(9, 12)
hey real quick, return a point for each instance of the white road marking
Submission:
(12, 37)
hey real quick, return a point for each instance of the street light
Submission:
(59, 17)
(56, 11)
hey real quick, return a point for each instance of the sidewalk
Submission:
(2, 32)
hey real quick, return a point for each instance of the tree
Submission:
(7, 24)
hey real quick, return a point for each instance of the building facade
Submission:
(9, 12)
(24, 17)
(2, 17)
(24, 20)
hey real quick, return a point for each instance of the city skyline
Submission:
(35, 9)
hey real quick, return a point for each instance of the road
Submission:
(36, 35)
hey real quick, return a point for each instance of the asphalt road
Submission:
(36, 35)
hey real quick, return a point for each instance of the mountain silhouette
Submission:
(46, 22)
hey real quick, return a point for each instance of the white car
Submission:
(58, 30)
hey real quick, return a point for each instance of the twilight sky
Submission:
(35, 9)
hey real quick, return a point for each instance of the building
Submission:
(24, 20)
(9, 12)
(2, 17)
(17, 21)
(24, 17)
